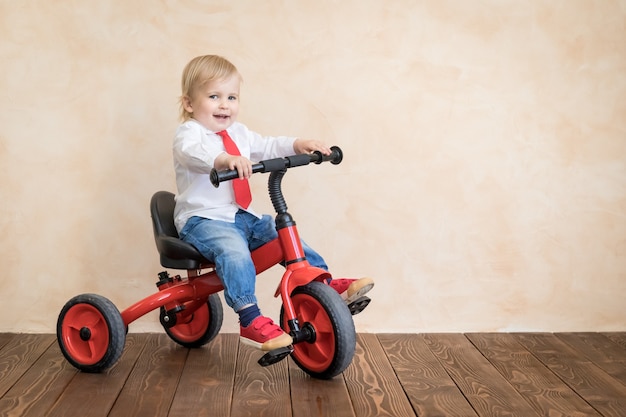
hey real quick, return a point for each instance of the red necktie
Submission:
(241, 187)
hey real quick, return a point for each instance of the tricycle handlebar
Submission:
(278, 164)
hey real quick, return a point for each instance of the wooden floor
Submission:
(522, 375)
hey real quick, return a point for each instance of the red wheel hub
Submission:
(85, 334)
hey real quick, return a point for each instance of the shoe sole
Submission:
(276, 343)
(358, 289)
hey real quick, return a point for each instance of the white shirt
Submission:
(195, 149)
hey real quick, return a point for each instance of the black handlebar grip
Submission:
(276, 164)
(299, 160)
(219, 176)
(336, 155)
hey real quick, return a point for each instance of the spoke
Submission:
(314, 351)
(94, 320)
(323, 325)
(306, 312)
(92, 348)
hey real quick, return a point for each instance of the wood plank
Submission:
(150, 387)
(206, 384)
(4, 339)
(602, 391)
(18, 355)
(618, 338)
(260, 391)
(40, 387)
(601, 350)
(312, 397)
(427, 384)
(372, 384)
(543, 390)
(95, 394)
(489, 392)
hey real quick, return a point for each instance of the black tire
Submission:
(201, 327)
(91, 333)
(320, 308)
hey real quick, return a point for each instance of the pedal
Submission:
(359, 305)
(276, 355)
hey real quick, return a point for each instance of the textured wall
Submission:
(484, 182)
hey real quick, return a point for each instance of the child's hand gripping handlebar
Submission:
(278, 164)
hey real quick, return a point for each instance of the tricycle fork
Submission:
(296, 275)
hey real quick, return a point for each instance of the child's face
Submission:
(215, 105)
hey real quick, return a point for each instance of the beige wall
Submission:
(484, 182)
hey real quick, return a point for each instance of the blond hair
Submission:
(198, 72)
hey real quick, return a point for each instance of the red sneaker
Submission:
(263, 334)
(352, 289)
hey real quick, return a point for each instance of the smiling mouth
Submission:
(221, 116)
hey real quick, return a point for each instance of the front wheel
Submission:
(91, 332)
(333, 342)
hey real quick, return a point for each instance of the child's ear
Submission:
(187, 104)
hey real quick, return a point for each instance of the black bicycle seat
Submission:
(174, 253)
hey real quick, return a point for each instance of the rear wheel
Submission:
(325, 316)
(200, 327)
(91, 332)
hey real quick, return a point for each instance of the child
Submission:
(216, 221)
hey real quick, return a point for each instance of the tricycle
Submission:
(91, 331)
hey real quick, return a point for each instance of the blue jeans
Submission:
(228, 246)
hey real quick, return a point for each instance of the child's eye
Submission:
(213, 96)
(232, 98)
